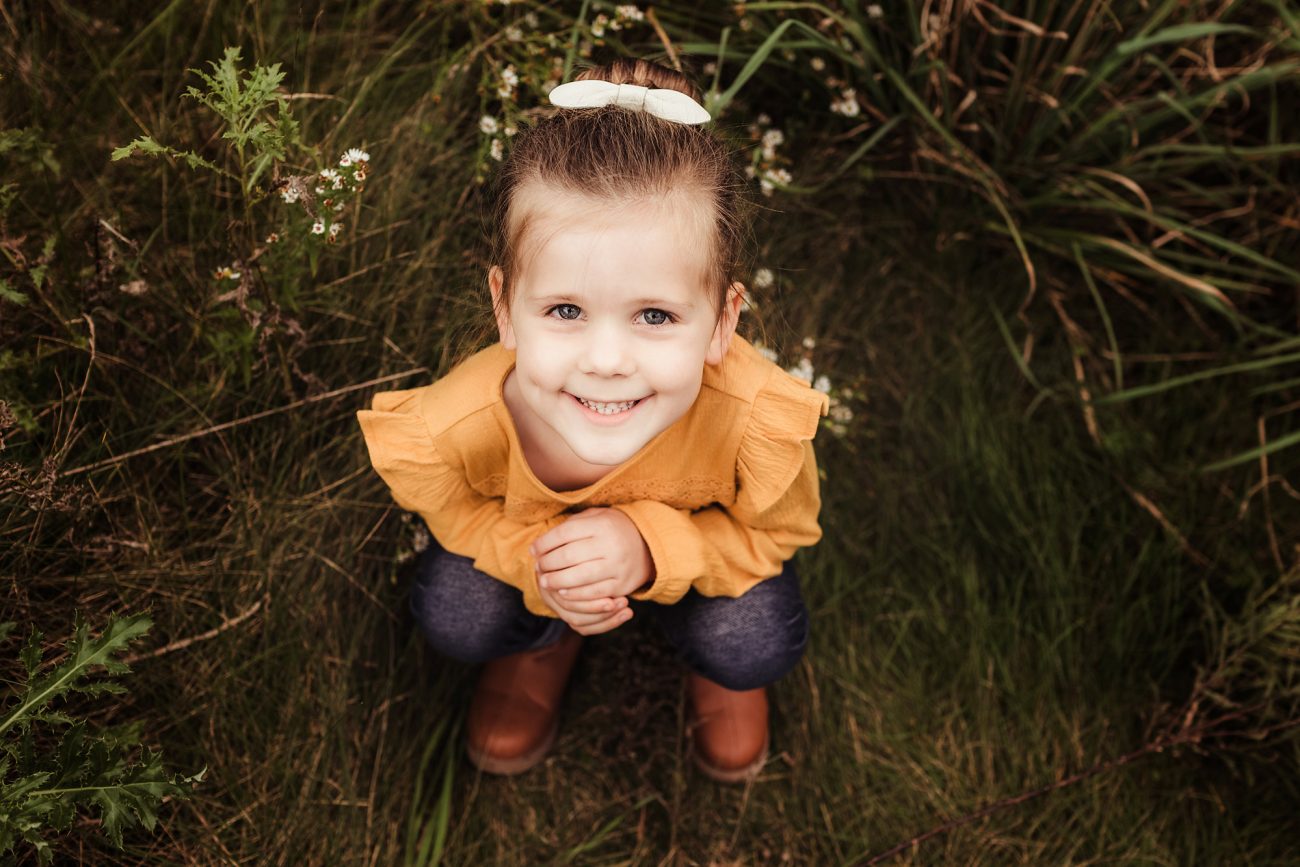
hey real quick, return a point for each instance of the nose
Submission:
(606, 350)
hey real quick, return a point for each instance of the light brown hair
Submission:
(615, 154)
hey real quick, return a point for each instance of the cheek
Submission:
(543, 363)
(678, 372)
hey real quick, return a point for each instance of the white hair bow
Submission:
(661, 102)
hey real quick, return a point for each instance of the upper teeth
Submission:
(608, 408)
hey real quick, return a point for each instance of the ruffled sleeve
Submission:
(464, 521)
(784, 418)
(402, 450)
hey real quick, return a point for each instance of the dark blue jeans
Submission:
(742, 643)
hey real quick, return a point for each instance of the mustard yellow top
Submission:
(723, 496)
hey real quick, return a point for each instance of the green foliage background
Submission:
(1044, 253)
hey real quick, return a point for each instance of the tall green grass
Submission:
(1025, 573)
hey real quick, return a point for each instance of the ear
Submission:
(495, 279)
(726, 326)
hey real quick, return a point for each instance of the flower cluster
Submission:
(847, 104)
(764, 162)
(226, 272)
(489, 126)
(624, 14)
(326, 193)
(509, 81)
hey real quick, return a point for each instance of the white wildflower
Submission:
(487, 124)
(340, 206)
(803, 370)
(763, 278)
(629, 11)
(514, 34)
(817, 64)
(135, 287)
(225, 272)
(334, 178)
(771, 139)
(763, 120)
(354, 155)
(509, 80)
(847, 104)
(335, 228)
(809, 343)
(823, 384)
(840, 416)
(772, 177)
(749, 171)
(273, 237)
(769, 354)
(497, 150)
(531, 19)
(746, 23)
(509, 130)
(748, 302)
(290, 194)
(710, 68)
(420, 538)
(874, 11)
(598, 25)
(318, 227)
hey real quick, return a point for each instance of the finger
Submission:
(577, 618)
(612, 622)
(569, 554)
(575, 576)
(570, 531)
(586, 611)
(602, 589)
(602, 605)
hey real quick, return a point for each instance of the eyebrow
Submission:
(664, 302)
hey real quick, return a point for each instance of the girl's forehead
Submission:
(687, 209)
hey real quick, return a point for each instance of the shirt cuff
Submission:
(662, 526)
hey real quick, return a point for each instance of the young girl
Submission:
(621, 450)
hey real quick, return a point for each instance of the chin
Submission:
(606, 459)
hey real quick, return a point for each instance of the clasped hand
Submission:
(587, 566)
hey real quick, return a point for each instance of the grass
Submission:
(999, 601)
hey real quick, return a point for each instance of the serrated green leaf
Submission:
(10, 294)
(144, 145)
(83, 655)
(31, 653)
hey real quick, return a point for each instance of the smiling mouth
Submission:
(607, 408)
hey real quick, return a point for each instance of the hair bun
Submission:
(643, 73)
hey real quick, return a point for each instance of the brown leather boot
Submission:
(514, 715)
(728, 729)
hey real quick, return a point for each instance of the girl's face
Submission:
(612, 309)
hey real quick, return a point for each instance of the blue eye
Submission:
(667, 317)
(558, 306)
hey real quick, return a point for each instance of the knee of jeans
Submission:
(461, 618)
(752, 648)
